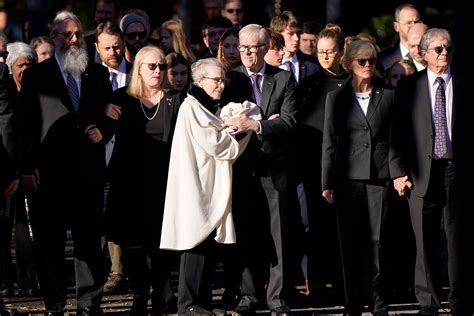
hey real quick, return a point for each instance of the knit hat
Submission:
(132, 18)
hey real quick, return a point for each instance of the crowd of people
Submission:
(294, 155)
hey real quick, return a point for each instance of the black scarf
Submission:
(210, 104)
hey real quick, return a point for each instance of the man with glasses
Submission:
(406, 16)
(212, 30)
(136, 29)
(234, 11)
(61, 157)
(261, 175)
(426, 163)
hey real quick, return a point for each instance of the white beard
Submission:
(74, 61)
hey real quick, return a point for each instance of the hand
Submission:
(274, 116)
(113, 111)
(11, 187)
(31, 181)
(94, 133)
(329, 196)
(402, 185)
(242, 124)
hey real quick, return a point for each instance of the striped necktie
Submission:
(73, 91)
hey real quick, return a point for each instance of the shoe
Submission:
(244, 311)
(197, 310)
(428, 310)
(114, 283)
(5, 290)
(281, 311)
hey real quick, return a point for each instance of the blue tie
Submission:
(291, 68)
(113, 80)
(73, 91)
(440, 120)
(256, 87)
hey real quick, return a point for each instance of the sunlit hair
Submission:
(334, 32)
(20, 50)
(431, 35)
(356, 49)
(251, 28)
(62, 17)
(220, 52)
(135, 88)
(200, 69)
(181, 42)
(284, 20)
(399, 9)
(38, 40)
(277, 41)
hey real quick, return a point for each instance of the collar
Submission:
(293, 59)
(432, 76)
(261, 71)
(210, 104)
(121, 69)
(403, 50)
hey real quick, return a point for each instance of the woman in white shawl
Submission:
(198, 196)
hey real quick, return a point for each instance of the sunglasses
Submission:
(70, 35)
(364, 61)
(439, 49)
(153, 66)
(134, 35)
(238, 11)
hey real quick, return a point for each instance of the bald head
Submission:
(413, 40)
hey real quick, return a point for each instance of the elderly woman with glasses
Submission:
(198, 213)
(355, 175)
(143, 117)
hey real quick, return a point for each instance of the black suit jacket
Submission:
(51, 133)
(278, 97)
(412, 137)
(387, 58)
(355, 146)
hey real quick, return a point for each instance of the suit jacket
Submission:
(6, 108)
(387, 58)
(355, 146)
(307, 68)
(412, 137)
(278, 91)
(51, 133)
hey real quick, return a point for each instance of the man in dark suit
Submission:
(263, 170)
(406, 16)
(62, 100)
(426, 162)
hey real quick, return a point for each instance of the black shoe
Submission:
(281, 311)
(244, 311)
(197, 310)
(428, 310)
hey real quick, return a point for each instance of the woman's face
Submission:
(178, 77)
(328, 54)
(18, 67)
(363, 66)
(214, 82)
(397, 72)
(166, 40)
(44, 51)
(230, 48)
(152, 78)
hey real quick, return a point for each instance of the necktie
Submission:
(440, 121)
(113, 80)
(291, 68)
(256, 87)
(73, 91)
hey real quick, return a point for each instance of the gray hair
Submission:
(356, 49)
(18, 50)
(263, 37)
(433, 34)
(200, 68)
(62, 17)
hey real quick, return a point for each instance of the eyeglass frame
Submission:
(224, 81)
(329, 53)
(439, 49)
(153, 66)
(363, 61)
(238, 10)
(251, 48)
(131, 36)
(78, 34)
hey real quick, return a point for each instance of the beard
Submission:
(74, 59)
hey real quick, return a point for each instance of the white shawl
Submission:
(199, 190)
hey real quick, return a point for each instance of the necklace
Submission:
(363, 97)
(144, 113)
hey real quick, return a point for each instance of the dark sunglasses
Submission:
(239, 11)
(439, 49)
(364, 61)
(153, 66)
(69, 35)
(134, 35)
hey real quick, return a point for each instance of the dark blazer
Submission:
(387, 58)
(307, 68)
(277, 98)
(51, 133)
(355, 146)
(6, 108)
(412, 143)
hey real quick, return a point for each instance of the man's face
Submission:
(68, 36)
(252, 52)
(104, 12)
(439, 61)
(213, 8)
(308, 43)
(135, 37)
(234, 11)
(408, 17)
(212, 37)
(292, 41)
(110, 49)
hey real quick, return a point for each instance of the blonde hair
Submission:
(135, 88)
(181, 44)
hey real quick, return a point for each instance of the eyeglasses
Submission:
(439, 49)
(218, 80)
(70, 35)
(238, 11)
(364, 61)
(134, 35)
(329, 52)
(251, 48)
(153, 66)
